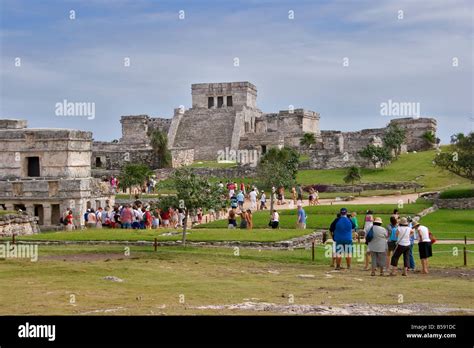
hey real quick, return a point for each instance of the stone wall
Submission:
(181, 157)
(19, 225)
(366, 187)
(455, 203)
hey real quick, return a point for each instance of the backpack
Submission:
(369, 236)
(432, 238)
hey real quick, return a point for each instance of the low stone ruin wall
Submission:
(365, 187)
(20, 225)
(455, 203)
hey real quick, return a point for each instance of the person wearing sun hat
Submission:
(402, 248)
(378, 246)
(424, 245)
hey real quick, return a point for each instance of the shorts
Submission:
(391, 245)
(425, 250)
(301, 225)
(126, 225)
(343, 247)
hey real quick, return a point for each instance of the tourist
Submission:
(91, 219)
(378, 246)
(243, 220)
(342, 231)
(174, 215)
(165, 218)
(424, 245)
(402, 248)
(233, 201)
(311, 196)
(156, 219)
(242, 187)
(86, 215)
(98, 214)
(137, 218)
(126, 217)
(106, 217)
(293, 194)
(355, 222)
(147, 218)
(69, 221)
(275, 220)
(116, 214)
(253, 199)
(368, 223)
(199, 215)
(301, 222)
(263, 201)
(240, 199)
(395, 214)
(392, 229)
(316, 197)
(181, 218)
(280, 196)
(249, 219)
(299, 192)
(232, 223)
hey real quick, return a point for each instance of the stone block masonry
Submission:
(225, 115)
(18, 225)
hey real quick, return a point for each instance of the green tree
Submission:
(376, 154)
(134, 175)
(307, 140)
(459, 159)
(278, 168)
(159, 144)
(193, 192)
(394, 138)
(429, 137)
(353, 174)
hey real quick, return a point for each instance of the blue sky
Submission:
(292, 62)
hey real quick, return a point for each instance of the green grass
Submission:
(465, 191)
(197, 235)
(320, 217)
(408, 167)
(153, 281)
(5, 212)
(450, 223)
(212, 164)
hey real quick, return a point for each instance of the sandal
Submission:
(372, 274)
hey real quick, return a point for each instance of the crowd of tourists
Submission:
(385, 244)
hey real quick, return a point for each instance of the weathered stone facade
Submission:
(225, 116)
(18, 225)
(46, 171)
(455, 203)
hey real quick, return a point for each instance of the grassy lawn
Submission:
(407, 168)
(461, 191)
(320, 217)
(212, 164)
(154, 281)
(197, 235)
(450, 224)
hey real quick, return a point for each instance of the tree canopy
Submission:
(459, 159)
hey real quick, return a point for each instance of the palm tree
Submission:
(353, 174)
(307, 140)
(159, 143)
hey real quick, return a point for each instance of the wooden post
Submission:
(465, 251)
(155, 244)
(13, 238)
(312, 250)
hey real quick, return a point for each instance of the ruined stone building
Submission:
(225, 115)
(46, 171)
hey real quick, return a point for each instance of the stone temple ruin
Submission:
(46, 171)
(225, 116)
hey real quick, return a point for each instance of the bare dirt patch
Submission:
(349, 309)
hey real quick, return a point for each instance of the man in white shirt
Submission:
(253, 199)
